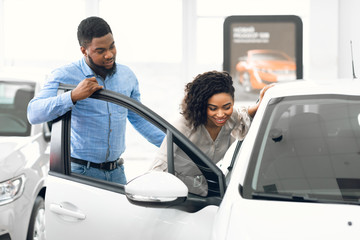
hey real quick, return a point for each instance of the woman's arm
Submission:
(252, 109)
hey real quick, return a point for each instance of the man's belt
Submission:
(104, 166)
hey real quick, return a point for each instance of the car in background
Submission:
(295, 176)
(261, 67)
(24, 160)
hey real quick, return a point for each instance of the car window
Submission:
(139, 154)
(309, 147)
(135, 151)
(14, 98)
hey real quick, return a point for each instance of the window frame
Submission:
(60, 151)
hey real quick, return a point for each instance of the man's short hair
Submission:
(92, 27)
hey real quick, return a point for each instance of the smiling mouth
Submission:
(109, 63)
(220, 120)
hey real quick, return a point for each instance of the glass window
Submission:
(14, 98)
(255, 7)
(144, 31)
(133, 150)
(212, 13)
(136, 154)
(310, 147)
(210, 40)
(41, 30)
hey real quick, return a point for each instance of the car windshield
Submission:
(270, 56)
(14, 98)
(307, 148)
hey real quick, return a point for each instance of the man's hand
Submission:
(84, 89)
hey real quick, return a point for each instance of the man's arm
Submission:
(47, 105)
(146, 129)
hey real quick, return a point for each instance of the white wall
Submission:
(328, 26)
(322, 55)
(349, 19)
(333, 24)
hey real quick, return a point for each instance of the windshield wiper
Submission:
(297, 198)
(283, 197)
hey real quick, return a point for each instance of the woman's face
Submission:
(219, 109)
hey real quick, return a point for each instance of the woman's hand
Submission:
(262, 92)
(252, 110)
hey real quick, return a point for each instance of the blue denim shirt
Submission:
(97, 127)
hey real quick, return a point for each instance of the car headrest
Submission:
(23, 97)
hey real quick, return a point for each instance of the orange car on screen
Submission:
(263, 66)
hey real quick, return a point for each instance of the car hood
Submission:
(259, 219)
(275, 65)
(11, 158)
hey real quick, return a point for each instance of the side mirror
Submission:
(47, 131)
(156, 189)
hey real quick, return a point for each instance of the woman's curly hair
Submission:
(197, 93)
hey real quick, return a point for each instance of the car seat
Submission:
(21, 101)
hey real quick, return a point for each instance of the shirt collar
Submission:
(88, 72)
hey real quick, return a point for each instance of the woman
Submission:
(210, 122)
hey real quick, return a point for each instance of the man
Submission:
(97, 127)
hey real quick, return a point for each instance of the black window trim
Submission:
(60, 164)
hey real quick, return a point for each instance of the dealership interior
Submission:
(173, 41)
(168, 42)
(78, 161)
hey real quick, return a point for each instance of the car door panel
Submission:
(80, 211)
(79, 207)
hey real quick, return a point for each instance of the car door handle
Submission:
(59, 209)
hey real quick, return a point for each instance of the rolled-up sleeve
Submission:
(47, 105)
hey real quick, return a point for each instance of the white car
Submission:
(24, 162)
(295, 176)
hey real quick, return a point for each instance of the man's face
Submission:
(100, 54)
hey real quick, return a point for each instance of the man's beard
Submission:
(100, 70)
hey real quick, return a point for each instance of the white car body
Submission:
(156, 206)
(22, 157)
(240, 218)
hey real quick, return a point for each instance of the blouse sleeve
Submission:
(242, 122)
(160, 161)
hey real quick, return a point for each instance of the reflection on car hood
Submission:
(11, 159)
(275, 65)
(258, 219)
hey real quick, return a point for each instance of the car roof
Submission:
(318, 87)
(23, 75)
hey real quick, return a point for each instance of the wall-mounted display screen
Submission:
(260, 50)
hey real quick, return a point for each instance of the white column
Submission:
(323, 39)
